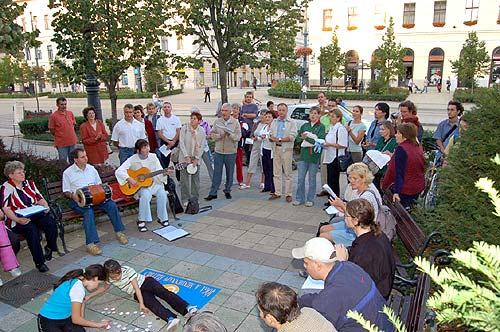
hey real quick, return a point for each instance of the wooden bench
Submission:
(413, 239)
(55, 197)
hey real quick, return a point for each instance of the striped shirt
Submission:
(19, 198)
(125, 282)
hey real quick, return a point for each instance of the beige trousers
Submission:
(282, 163)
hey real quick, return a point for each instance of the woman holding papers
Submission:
(267, 151)
(336, 142)
(17, 194)
(386, 144)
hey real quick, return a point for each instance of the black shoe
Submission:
(322, 193)
(327, 204)
(210, 197)
(228, 195)
(48, 253)
(42, 267)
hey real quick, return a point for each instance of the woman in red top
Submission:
(406, 169)
(94, 137)
(150, 131)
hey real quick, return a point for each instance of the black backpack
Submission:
(193, 207)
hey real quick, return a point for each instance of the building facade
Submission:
(432, 32)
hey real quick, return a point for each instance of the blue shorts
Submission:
(342, 234)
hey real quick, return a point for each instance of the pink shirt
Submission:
(63, 126)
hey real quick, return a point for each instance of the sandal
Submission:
(142, 226)
(163, 223)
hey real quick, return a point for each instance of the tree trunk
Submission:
(113, 98)
(223, 81)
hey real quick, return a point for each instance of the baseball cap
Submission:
(317, 249)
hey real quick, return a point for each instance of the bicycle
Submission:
(430, 193)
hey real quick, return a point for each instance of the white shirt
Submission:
(125, 282)
(75, 178)
(77, 292)
(168, 126)
(126, 133)
(331, 137)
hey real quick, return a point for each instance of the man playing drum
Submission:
(80, 175)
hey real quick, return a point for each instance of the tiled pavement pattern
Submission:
(238, 245)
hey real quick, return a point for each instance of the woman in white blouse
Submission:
(335, 145)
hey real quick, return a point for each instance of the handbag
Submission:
(385, 218)
(344, 161)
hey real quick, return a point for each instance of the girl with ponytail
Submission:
(64, 310)
(371, 249)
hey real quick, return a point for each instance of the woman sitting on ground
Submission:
(360, 186)
(371, 249)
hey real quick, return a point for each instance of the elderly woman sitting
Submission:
(18, 193)
(360, 186)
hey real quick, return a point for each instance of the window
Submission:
(38, 54)
(409, 15)
(164, 44)
(23, 23)
(27, 52)
(125, 78)
(352, 18)
(380, 16)
(180, 42)
(471, 11)
(34, 22)
(439, 13)
(327, 20)
(50, 52)
(46, 22)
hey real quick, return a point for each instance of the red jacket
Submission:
(406, 170)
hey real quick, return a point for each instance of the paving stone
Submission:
(89, 260)
(36, 304)
(277, 261)
(64, 270)
(124, 254)
(222, 296)
(272, 241)
(163, 264)
(15, 319)
(184, 269)
(226, 222)
(223, 240)
(179, 253)
(6, 309)
(221, 263)
(206, 274)
(291, 279)
(242, 225)
(267, 273)
(213, 229)
(232, 233)
(254, 324)
(262, 229)
(242, 244)
(31, 325)
(160, 249)
(290, 244)
(138, 244)
(109, 249)
(284, 233)
(250, 285)
(230, 280)
(301, 236)
(263, 248)
(106, 300)
(240, 301)
(199, 257)
(143, 259)
(252, 237)
(204, 236)
(243, 268)
(283, 252)
(231, 318)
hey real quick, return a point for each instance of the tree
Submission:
(388, 58)
(9, 71)
(12, 37)
(332, 59)
(244, 31)
(473, 61)
(57, 74)
(116, 34)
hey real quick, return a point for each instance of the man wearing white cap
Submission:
(347, 287)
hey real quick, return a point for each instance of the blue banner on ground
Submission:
(192, 292)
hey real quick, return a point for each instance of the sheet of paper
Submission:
(226, 129)
(164, 150)
(311, 283)
(331, 210)
(171, 233)
(329, 190)
(27, 212)
(249, 141)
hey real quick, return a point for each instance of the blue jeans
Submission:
(145, 196)
(88, 214)
(64, 152)
(223, 160)
(303, 169)
(125, 153)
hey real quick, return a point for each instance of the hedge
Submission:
(344, 95)
(122, 94)
(466, 95)
(36, 128)
(463, 213)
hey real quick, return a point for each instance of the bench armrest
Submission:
(55, 211)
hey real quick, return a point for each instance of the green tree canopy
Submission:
(388, 58)
(473, 61)
(243, 31)
(12, 37)
(332, 59)
(117, 34)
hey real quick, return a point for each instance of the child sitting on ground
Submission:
(145, 290)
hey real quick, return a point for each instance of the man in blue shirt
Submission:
(347, 287)
(373, 134)
(449, 128)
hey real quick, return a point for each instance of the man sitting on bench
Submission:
(79, 175)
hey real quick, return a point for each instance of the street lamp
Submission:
(91, 82)
(304, 75)
(36, 73)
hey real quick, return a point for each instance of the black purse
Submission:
(344, 161)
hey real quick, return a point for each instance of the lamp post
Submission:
(91, 82)
(138, 78)
(36, 73)
(304, 57)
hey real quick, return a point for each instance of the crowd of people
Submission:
(343, 253)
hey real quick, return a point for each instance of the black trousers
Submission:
(151, 289)
(267, 167)
(57, 325)
(14, 241)
(32, 234)
(333, 176)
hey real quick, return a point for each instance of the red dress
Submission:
(97, 151)
(150, 131)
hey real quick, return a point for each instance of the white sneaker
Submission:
(261, 186)
(173, 323)
(16, 272)
(244, 186)
(309, 204)
(296, 203)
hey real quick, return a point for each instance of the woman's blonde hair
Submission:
(361, 170)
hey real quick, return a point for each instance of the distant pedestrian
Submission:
(448, 84)
(426, 84)
(254, 83)
(439, 83)
(207, 93)
(410, 85)
(62, 125)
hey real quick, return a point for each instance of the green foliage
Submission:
(38, 128)
(243, 32)
(155, 80)
(388, 58)
(332, 59)
(473, 62)
(467, 95)
(12, 37)
(116, 34)
(122, 94)
(470, 294)
(287, 86)
(462, 215)
(395, 320)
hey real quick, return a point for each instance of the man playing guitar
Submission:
(78, 175)
(143, 158)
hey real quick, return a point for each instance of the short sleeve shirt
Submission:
(63, 125)
(356, 128)
(125, 282)
(168, 126)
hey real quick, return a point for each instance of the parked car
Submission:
(300, 114)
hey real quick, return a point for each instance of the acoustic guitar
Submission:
(144, 178)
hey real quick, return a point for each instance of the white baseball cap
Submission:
(317, 249)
